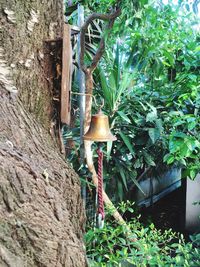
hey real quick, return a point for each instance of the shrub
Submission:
(145, 246)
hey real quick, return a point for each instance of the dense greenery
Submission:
(152, 95)
(146, 246)
(149, 79)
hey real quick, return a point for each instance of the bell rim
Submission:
(109, 138)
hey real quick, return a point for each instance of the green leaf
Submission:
(154, 134)
(148, 159)
(191, 143)
(107, 93)
(184, 151)
(143, 106)
(193, 174)
(151, 116)
(126, 80)
(124, 116)
(116, 66)
(169, 158)
(179, 134)
(127, 142)
(191, 125)
(169, 56)
(159, 125)
(123, 175)
(183, 162)
(137, 164)
(175, 144)
(138, 185)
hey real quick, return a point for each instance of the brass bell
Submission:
(99, 130)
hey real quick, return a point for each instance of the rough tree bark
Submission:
(41, 215)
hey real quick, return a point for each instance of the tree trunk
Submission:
(41, 214)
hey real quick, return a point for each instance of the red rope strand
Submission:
(100, 183)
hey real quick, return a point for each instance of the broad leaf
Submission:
(151, 116)
(154, 134)
(124, 116)
(127, 142)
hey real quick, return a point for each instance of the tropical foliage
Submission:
(150, 83)
(147, 246)
(149, 79)
(152, 96)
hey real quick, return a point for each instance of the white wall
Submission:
(192, 222)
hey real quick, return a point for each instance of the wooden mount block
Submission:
(66, 75)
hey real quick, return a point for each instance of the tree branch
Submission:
(88, 70)
(106, 17)
(101, 48)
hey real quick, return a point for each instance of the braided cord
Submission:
(100, 183)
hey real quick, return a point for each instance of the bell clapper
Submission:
(100, 221)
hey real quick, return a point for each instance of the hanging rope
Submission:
(101, 214)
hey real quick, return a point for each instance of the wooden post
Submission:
(66, 75)
(81, 85)
(81, 77)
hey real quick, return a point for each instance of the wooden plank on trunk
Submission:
(66, 75)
